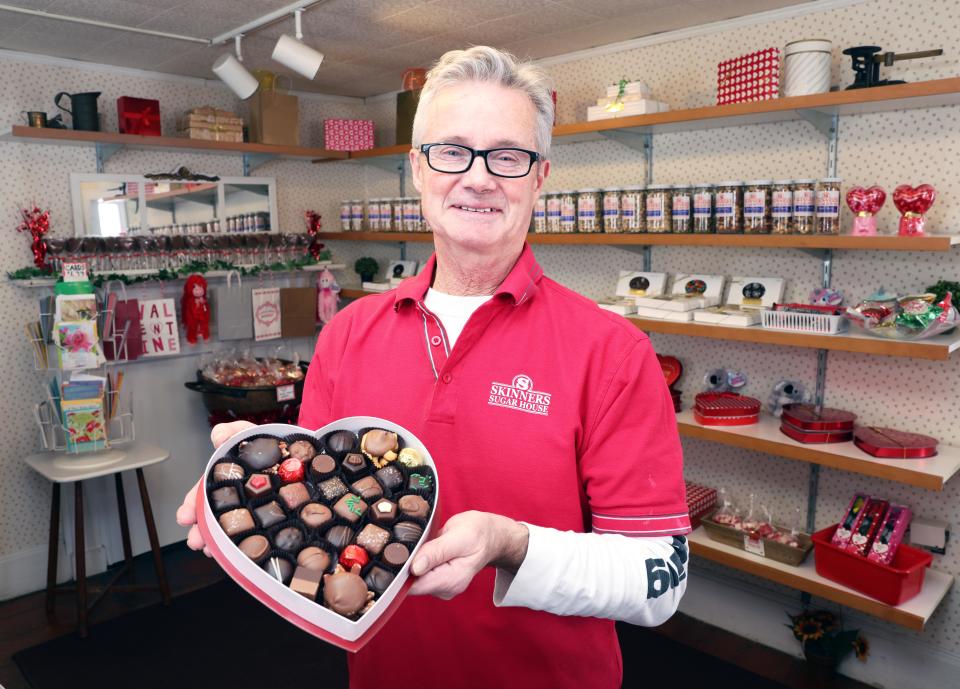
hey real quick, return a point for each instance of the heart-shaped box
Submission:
(308, 615)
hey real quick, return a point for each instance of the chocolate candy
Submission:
(290, 470)
(323, 465)
(340, 536)
(379, 446)
(260, 453)
(345, 592)
(257, 485)
(420, 483)
(227, 471)
(407, 532)
(294, 495)
(302, 450)
(289, 538)
(236, 521)
(354, 555)
(396, 554)
(341, 441)
(410, 457)
(353, 465)
(225, 497)
(314, 558)
(279, 568)
(315, 515)
(367, 488)
(306, 582)
(378, 579)
(254, 547)
(390, 477)
(414, 506)
(270, 514)
(383, 511)
(373, 538)
(350, 507)
(333, 488)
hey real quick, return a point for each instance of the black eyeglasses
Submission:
(501, 162)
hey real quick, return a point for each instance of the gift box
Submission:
(138, 116)
(275, 118)
(726, 409)
(751, 77)
(890, 443)
(700, 501)
(347, 135)
(262, 505)
(210, 124)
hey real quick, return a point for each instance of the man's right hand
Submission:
(187, 512)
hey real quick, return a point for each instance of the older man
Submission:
(552, 429)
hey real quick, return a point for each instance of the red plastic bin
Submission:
(893, 584)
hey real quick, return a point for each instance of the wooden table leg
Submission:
(124, 526)
(154, 541)
(53, 548)
(80, 548)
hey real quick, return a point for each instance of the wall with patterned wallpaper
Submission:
(886, 149)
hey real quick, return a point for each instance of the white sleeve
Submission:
(636, 580)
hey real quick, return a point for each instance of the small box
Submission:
(619, 305)
(748, 78)
(210, 124)
(275, 118)
(689, 292)
(700, 501)
(889, 443)
(745, 299)
(632, 284)
(138, 116)
(631, 88)
(347, 135)
(726, 409)
(640, 107)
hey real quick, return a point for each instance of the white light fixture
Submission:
(231, 70)
(293, 53)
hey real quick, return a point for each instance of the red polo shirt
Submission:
(549, 411)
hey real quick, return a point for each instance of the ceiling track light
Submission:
(294, 54)
(232, 72)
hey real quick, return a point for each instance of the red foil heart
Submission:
(917, 200)
(868, 201)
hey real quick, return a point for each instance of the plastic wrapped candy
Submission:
(913, 202)
(726, 515)
(765, 528)
(245, 371)
(911, 317)
(865, 204)
(750, 520)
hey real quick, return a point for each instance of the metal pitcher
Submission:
(84, 109)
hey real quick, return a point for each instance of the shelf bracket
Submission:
(822, 121)
(402, 170)
(638, 141)
(389, 164)
(403, 251)
(816, 253)
(251, 161)
(103, 153)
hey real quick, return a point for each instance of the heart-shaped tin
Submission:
(310, 615)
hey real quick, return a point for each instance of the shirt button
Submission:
(447, 378)
(435, 340)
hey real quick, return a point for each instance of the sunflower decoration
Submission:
(807, 628)
(861, 648)
(822, 636)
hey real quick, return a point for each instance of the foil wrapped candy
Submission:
(910, 317)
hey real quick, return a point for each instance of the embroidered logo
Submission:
(519, 394)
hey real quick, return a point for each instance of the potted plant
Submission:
(366, 268)
(825, 642)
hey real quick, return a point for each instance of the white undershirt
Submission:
(584, 574)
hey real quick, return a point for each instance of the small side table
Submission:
(58, 468)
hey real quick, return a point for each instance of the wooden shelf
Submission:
(937, 348)
(766, 437)
(914, 614)
(424, 237)
(351, 293)
(70, 137)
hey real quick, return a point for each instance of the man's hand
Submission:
(468, 542)
(187, 512)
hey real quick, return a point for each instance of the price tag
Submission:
(74, 271)
(286, 393)
(753, 545)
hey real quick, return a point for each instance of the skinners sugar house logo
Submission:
(519, 394)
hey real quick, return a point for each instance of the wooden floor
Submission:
(24, 623)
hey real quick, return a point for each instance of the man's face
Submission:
(480, 116)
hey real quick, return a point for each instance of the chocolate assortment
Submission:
(334, 519)
(872, 528)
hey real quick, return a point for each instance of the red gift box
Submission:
(751, 77)
(347, 135)
(700, 501)
(138, 116)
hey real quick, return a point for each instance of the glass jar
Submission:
(680, 215)
(756, 207)
(728, 202)
(611, 210)
(633, 212)
(396, 223)
(540, 215)
(828, 206)
(553, 211)
(588, 203)
(568, 211)
(356, 215)
(703, 208)
(373, 215)
(386, 215)
(781, 206)
(804, 200)
(658, 208)
(411, 215)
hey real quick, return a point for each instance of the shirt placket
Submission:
(444, 402)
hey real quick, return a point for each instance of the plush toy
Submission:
(327, 296)
(195, 309)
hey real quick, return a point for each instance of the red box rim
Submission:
(867, 437)
(809, 437)
(725, 420)
(805, 418)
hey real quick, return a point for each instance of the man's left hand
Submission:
(468, 542)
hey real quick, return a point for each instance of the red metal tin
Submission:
(725, 420)
(726, 404)
(805, 418)
(893, 444)
(804, 436)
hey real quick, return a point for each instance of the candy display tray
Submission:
(772, 550)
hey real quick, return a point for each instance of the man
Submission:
(547, 417)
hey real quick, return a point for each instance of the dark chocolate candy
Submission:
(294, 495)
(236, 521)
(340, 536)
(382, 512)
(342, 441)
(270, 514)
(306, 582)
(254, 547)
(350, 507)
(227, 471)
(315, 515)
(257, 485)
(378, 579)
(373, 538)
(225, 497)
(390, 477)
(314, 558)
(414, 506)
(323, 465)
(279, 568)
(345, 592)
(367, 488)
(260, 453)
(396, 554)
(353, 465)
(407, 532)
(420, 483)
(289, 538)
(302, 450)
(333, 488)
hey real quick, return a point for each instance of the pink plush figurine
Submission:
(327, 296)
(196, 309)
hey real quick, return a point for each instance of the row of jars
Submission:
(798, 206)
(400, 214)
(244, 222)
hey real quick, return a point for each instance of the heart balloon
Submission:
(862, 200)
(918, 200)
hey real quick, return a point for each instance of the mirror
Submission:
(129, 205)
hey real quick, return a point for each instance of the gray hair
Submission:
(486, 64)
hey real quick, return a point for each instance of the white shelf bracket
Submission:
(103, 153)
(392, 165)
(639, 141)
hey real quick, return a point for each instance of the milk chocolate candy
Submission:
(294, 495)
(227, 471)
(270, 514)
(223, 498)
(373, 538)
(278, 568)
(306, 582)
(315, 515)
(302, 450)
(340, 442)
(350, 507)
(289, 538)
(407, 532)
(314, 558)
(333, 488)
(345, 592)
(323, 465)
(255, 547)
(367, 488)
(414, 506)
(236, 521)
(396, 554)
(379, 446)
(260, 453)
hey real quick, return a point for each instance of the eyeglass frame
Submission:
(481, 153)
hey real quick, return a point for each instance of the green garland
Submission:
(29, 273)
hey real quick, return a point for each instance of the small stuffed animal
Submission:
(327, 296)
(824, 296)
(195, 309)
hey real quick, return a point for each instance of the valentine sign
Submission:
(266, 313)
(158, 325)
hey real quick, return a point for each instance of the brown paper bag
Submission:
(275, 118)
(298, 308)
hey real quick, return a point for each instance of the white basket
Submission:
(816, 323)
